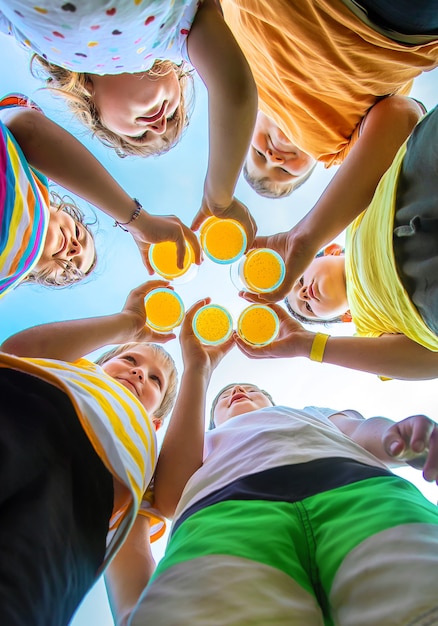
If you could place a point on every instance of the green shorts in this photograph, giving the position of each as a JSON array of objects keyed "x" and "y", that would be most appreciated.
[{"x": 364, "y": 554}]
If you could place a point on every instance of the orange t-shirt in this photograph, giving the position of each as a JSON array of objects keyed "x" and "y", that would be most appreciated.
[{"x": 319, "y": 68}]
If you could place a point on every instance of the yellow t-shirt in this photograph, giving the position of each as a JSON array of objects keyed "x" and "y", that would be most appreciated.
[
  {"x": 378, "y": 301},
  {"x": 117, "y": 426},
  {"x": 319, "y": 68}
]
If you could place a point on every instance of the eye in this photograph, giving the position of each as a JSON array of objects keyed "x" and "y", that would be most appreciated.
[
  {"x": 128, "y": 357},
  {"x": 260, "y": 154},
  {"x": 301, "y": 281},
  {"x": 308, "y": 307},
  {"x": 77, "y": 231},
  {"x": 156, "y": 379}
]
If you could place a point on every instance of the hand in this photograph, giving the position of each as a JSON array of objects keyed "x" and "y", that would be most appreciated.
[
  {"x": 195, "y": 353},
  {"x": 415, "y": 440},
  {"x": 135, "y": 309},
  {"x": 297, "y": 254},
  {"x": 148, "y": 229},
  {"x": 292, "y": 340},
  {"x": 236, "y": 211}
]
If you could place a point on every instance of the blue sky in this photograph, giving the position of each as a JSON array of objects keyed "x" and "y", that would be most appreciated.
[{"x": 173, "y": 184}]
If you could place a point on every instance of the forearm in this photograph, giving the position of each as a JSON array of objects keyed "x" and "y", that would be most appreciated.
[
  {"x": 394, "y": 356},
  {"x": 71, "y": 340},
  {"x": 129, "y": 572},
  {"x": 56, "y": 153},
  {"x": 182, "y": 450},
  {"x": 386, "y": 127},
  {"x": 232, "y": 101}
]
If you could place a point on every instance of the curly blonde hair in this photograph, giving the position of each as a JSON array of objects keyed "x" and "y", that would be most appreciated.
[
  {"x": 70, "y": 273},
  {"x": 74, "y": 87}
]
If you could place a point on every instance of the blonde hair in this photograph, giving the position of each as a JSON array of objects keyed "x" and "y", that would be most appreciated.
[
  {"x": 70, "y": 274},
  {"x": 74, "y": 87},
  {"x": 170, "y": 393},
  {"x": 268, "y": 189}
]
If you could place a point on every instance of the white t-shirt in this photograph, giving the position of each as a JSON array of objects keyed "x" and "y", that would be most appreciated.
[
  {"x": 101, "y": 36},
  {"x": 267, "y": 438}
]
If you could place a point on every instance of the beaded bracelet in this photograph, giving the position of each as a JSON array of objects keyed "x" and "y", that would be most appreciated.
[
  {"x": 134, "y": 216},
  {"x": 318, "y": 347}
]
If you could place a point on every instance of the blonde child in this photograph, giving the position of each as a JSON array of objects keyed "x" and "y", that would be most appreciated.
[
  {"x": 325, "y": 68},
  {"x": 286, "y": 516},
  {"x": 388, "y": 277},
  {"x": 42, "y": 238},
  {"x": 78, "y": 453},
  {"x": 113, "y": 65},
  {"x": 275, "y": 166}
]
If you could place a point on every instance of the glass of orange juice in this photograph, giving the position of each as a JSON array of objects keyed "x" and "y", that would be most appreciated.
[
  {"x": 164, "y": 309},
  {"x": 258, "y": 325},
  {"x": 162, "y": 257},
  {"x": 260, "y": 271},
  {"x": 223, "y": 240},
  {"x": 212, "y": 324}
]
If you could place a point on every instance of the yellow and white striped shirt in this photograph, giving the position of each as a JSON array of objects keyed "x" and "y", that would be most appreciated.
[{"x": 117, "y": 426}]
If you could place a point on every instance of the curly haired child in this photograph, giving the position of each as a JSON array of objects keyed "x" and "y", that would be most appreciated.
[
  {"x": 44, "y": 239},
  {"x": 119, "y": 73}
]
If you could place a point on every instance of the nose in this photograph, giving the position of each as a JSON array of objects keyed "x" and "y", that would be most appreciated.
[
  {"x": 237, "y": 389},
  {"x": 159, "y": 126},
  {"x": 302, "y": 292},
  {"x": 74, "y": 248},
  {"x": 274, "y": 156},
  {"x": 138, "y": 372}
]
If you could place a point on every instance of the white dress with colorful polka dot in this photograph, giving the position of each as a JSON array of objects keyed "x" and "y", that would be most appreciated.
[{"x": 101, "y": 36}]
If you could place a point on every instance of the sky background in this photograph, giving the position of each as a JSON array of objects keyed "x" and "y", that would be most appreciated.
[{"x": 173, "y": 183}]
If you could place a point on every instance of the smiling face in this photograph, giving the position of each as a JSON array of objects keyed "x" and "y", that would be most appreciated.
[
  {"x": 321, "y": 291},
  {"x": 144, "y": 373},
  {"x": 237, "y": 399},
  {"x": 67, "y": 242},
  {"x": 273, "y": 156},
  {"x": 141, "y": 108}
]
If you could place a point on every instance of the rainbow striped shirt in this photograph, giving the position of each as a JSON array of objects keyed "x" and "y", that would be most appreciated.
[
  {"x": 117, "y": 426},
  {"x": 24, "y": 211}
]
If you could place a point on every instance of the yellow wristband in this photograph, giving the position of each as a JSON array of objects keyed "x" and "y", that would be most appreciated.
[{"x": 318, "y": 347}]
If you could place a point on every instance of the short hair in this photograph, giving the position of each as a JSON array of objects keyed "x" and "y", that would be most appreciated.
[
  {"x": 310, "y": 320},
  {"x": 73, "y": 87},
  {"x": 70, "y": 274},
  {"x": 266, "y": 188},
  {"x": 212, "y": 425},
  {"x": 170, "y": 394}
]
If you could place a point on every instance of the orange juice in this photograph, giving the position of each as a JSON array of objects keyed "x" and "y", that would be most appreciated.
[
  {"x": 212, "y": 324},
  {"x": 262, "y": 270},
  {"x": 162, "y": 257},
  {"x": 258, "y": 325},
  {"x": 164, "y": 310},
  {"x": 223, "y": 240}
]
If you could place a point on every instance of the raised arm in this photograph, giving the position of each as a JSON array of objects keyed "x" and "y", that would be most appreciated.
[
  {"x": 394, "y": 356},
  {"x": 129, "y": 572},
  {"x": 183, "y": 446},
  {"x": 385, "y": 128},
  {"x": 412, "y": 441},
  {"x": 71, "y": 340},
  {"x": 232, "y": 110},
  {"x": 56, "y": 153}
]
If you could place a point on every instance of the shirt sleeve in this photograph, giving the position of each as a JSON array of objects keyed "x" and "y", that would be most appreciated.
[{"x": 156, "y": 519}]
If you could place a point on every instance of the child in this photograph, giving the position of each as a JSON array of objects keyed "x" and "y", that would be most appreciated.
[
  {"x": 332, "y": 76},
  {"x": 78, "y": 453},
  {"x": 275, "y": 166},
  {"x": 389, "y": 279},
  {"x": 288, "y": 516},
  {"x": 114, "y": 74},
  {"x": 44, "y": 239}
]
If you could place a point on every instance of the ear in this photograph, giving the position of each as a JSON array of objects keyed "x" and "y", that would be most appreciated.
[
  {"x": 88, "y": 86},
  {"x": 346, "y": 317},
  {"x": 157, "y": 422},
  {"x": 334, "y": 249}
]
